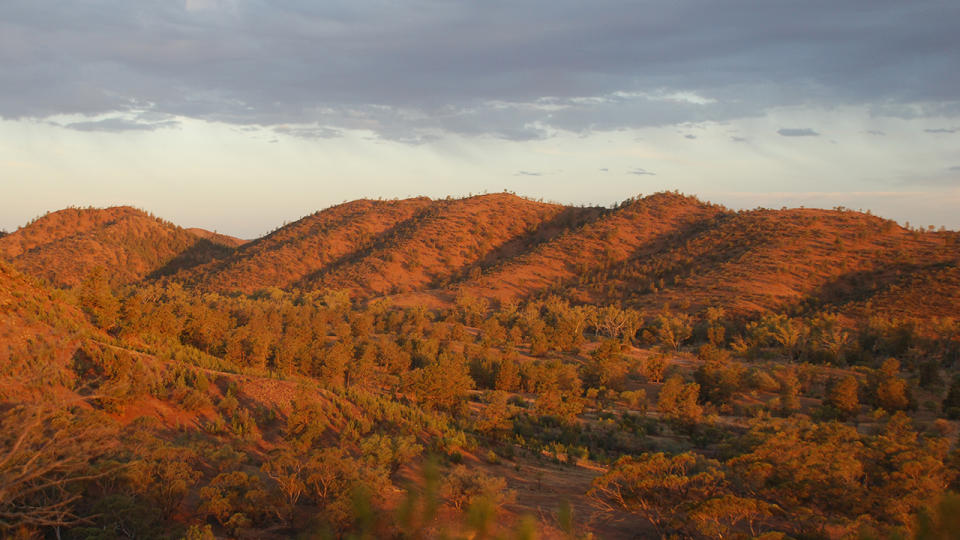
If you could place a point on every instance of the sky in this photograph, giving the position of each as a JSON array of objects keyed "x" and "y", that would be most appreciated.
[{"x": 240, "y": 116}]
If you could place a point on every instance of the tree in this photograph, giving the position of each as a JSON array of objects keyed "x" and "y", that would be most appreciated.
[
  {"x": 789, "y": 333},
  {"x": 616, "y": 323},
  {"x": 654, "y": 366},
  {"x": 464, "y": 486},
  {"x": 570, "y": 322},
  {"x": 715, "y": 517},
  {"x": 492, "y": 333},
  {"x": 659, "y": 487},
  {"x": 889, "y": 391},
  {"x": 829, "y": 335},
  {"x": 673, "y": 330},
  {"x": 235, "y": 499},
  {"x": 718, "y": 377},
  {"x": 951, "y": 404},
  {"x": 716, "y": 332},
  {"x": 389, "y": 452},
  {"x": 789, "y": 390},
  {"x": 679, "y": 401},
  {"x": 333, "y": 372},
  {"x": 471, "y": 309},
  {"x": 288, "y": 469},
  {"x": 393, "y": 358},
  {"x": 334, "y": 479},
  {"x": 443, "y": 383},
  {"x": 904, "y": 470},
  {"x": 328, "y": 473},
  {"x": 495, "y": 418},
  {"x": 46, "y": 454},
  {"x": 165, "y": 476},
  {"x": 606, "y": 367},
  {"x": 843, "y": 397},
  {"x": 508, "y": 374},
  {"x": 97, "y": 300},
  {"x": 797, "y": 463},
  {"x": 565, "y": 405}
]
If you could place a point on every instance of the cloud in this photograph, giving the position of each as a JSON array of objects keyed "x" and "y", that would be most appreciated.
[
  {"x": 734, "y": 138},
  {"x": 309, "y": 132},
  {"x": 604, "y": 169},
  {"x": 415, "y": 70},
  {"x": 942, "y": 130},
  {"x": 955, "y": 168},
  {"x": 642, "y": 172},
  {"x": 117, "y": 125},
  {"x": 528, "y": 173},
  {"x": 876, "y": 132},
  {"x": 689, "y": 136},
  {"x": 797, "y": 132}
]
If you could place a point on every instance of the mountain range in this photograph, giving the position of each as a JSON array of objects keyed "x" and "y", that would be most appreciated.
[{"x": 648, "y": 252}]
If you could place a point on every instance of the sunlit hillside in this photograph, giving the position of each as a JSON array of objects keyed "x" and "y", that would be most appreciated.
[
  {"x": 64, "y": 247},
  {"x": 485, "y": 367}
]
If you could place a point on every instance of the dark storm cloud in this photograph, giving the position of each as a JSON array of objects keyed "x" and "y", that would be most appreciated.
[
  {"x": 414, "y": 70},
  {"x": 797, "y": 132}
]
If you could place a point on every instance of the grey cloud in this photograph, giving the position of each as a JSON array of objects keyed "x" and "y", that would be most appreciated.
[
  {"x": 604, "y": 169},
  {"x": 876, "y": 132},
  {"x": 528, "y": 173},
  {"x": 309, "y": 132},
  {"x": 797, "y": 132},
  {"x": 689, "y": 136},
  {"x": 642, "y": 172},
  {"x": 414, "y": 70},
  {"x": 119, "y": 125},
  {"x": 738, "y": 139},
  {"x": 942, "y": 130},
  {"x": 955, "y": 168}
]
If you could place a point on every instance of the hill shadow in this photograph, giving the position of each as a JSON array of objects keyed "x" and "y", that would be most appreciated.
[{"x": 203, "y": 251}]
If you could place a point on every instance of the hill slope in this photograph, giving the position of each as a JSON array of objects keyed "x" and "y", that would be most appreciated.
[
  {"x": 64, "y": 247},
  {"x": 34, "y": 324},
  {"x": 637, "y": 227},
  {"x": 662, "y": 250},
  {"x": 445, "y": 242},
  {"x": 300, "y": 249},
  {"x": 750, "y": 262}
]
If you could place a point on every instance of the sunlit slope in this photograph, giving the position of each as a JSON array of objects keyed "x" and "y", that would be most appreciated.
[
  {"x": 35, "y": 324},
  {"x": 448, "y": 241},
  {"x": 753, "y": 261},
  {"x": 637, "y": 227},
  {"x": 64, "y": 247},
  {"x": 300, "y": 249}
]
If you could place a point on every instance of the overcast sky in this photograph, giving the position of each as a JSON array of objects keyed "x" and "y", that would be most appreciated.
[{"x": 240, "y": 115}]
